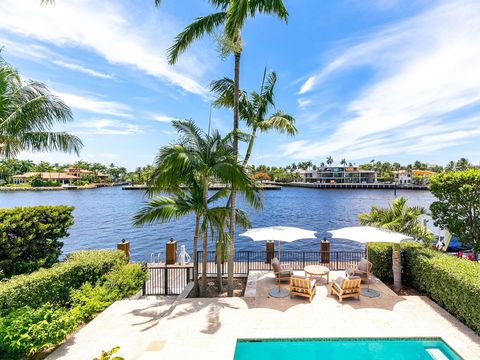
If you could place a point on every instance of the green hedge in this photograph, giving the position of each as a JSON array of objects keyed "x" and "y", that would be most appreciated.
[
  {"x": 451, "y": 282},
  {"x": 29, "y": 237},
  {"x": 55, "y": 284}
]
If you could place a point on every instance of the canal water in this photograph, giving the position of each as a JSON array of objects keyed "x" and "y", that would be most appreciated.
[{"x": 103, "y": 216}]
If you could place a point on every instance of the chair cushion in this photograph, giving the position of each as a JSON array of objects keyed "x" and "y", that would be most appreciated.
[
  {"x": 285, "y": 273},
  {"x": 363, "y": 265},
  {"x": 339, "y": 281},
  {"x": 276, "y": 265}
]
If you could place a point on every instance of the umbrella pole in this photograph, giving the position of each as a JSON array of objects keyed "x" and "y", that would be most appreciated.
[{"x": 280, "y": 265}]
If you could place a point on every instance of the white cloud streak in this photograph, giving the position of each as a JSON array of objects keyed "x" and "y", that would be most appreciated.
[
  {"x": 106, "y": 127},
  {"x": 94, "y": 105},
  {"x": 82, "y": 69},
  {"x": 106, "y": 28},
  {"x": 426, "y": 72}
]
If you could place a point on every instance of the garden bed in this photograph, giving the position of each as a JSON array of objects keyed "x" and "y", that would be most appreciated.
[{"x": 212, "y": 289}]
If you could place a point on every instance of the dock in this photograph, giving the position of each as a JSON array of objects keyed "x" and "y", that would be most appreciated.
[
  {"x": 211, "y": 187},
  {"x": 355, "y": 186}
]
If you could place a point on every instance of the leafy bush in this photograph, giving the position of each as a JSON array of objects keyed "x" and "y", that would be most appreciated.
[
  {"x": 29, "y": 237},
  {"x": 451, "y": 282},
  {"x": 56, "y": 283},
  {"x": 119, "y": 283},
  {"x": 26, "y": 331},
  {"x": 380, "y": 255}
]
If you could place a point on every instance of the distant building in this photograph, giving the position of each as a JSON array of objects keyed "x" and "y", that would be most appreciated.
[
  {"x": 405, "y": 177},
  {"x": 62, "y": 178},
  {"x": 339, "y": 175},
  {"x": 70, "y": 175}
]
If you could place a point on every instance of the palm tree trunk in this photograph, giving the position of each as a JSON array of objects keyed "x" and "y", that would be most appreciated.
[
  {"x": 195, "y": 255},
  {"x": 219, "y": 259},
  {"x": 205, "y": 238},
  {"x": 233, "y": 203},
  {"x": 397, "y": 269},
  {"x": 250, "y": 147}
]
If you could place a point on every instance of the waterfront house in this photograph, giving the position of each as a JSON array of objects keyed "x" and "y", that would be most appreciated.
[
  {"x": 79, "y": 172},
  {"x": 406, "y": 177},
  {"x": 62, "y": 178},
  {"x": 339, "y": 175}
]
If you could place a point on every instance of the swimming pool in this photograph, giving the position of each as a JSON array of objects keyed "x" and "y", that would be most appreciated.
[{"x": 343, "y": 349}]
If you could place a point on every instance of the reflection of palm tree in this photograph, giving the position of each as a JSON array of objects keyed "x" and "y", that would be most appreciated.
[
  {"x": 193, "y": 162},
  {"x": 232, "y": 15},
  {"x": 399, "y": 218},
  {"x": 28, "y": 112}
]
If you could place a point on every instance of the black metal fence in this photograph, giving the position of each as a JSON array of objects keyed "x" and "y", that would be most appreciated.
[
  {"x": 172, "y": 279},
  {"x": 246, "y": 261},
  {"x": 167, "y": 279}
]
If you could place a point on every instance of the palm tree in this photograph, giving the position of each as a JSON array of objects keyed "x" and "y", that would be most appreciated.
[
  {"x": 329, "y": 160},
  {"x": 254, "y": 108},
  {"x": 399, "y": 218},
  {"x": 200, "y": 157},
  {"x": 232, "y": 14},
  {"x": 28, "y": 112}
]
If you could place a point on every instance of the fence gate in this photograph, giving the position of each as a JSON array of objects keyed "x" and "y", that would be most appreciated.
[{"x": 167, "y": 279}]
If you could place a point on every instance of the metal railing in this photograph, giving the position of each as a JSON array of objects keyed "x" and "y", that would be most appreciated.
[
  {"x": 167, "y": 279},
  {"x": 246, "y": 261}
]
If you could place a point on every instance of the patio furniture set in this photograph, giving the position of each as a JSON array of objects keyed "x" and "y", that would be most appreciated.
[{"x": 343, "y": 287}]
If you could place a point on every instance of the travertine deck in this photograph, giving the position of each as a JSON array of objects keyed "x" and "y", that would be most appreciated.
[{"x": 208, "y": 328}]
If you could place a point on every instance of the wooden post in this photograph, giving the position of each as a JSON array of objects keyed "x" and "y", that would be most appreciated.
[
  {"x": 125, "y": 247},
  {"x": 325, "y": 251},
  {"x": 171, "y": 252},
  {"x": 270, "y": 251}
]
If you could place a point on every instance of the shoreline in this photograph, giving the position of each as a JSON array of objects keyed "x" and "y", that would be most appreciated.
[
  {"x": 354, "y": 186},
  {"x": 53, "y": 188}
]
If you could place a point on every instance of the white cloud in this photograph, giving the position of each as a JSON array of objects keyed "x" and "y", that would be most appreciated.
[
  {"x": 162, "y": 118},
  {"x": 426, "y": 71},
  {"x": 82, "y": 69},
  {"x": 106, "y": 127},
  {"x": 107, "y": 29},
  {"x": 303, "y": 103},
  {"x": 94, "y": 105}
]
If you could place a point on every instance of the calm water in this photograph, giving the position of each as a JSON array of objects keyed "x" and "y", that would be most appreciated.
[
  {"x": 349, "y": 349},
  {"x": 103, "y": 216}
]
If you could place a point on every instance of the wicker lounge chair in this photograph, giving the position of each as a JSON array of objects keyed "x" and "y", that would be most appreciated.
[
  {"x": 363, "y": 270},
  {"x": 281, "y": 271},
  {"x": 302, "y": 286},
  {"x": 346, "y": 288}
]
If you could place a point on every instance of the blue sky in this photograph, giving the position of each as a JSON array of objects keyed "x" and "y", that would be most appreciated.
[{"x": 373, "y": 79}]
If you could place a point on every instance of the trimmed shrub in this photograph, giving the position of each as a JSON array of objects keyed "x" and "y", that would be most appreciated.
[
  {"x": 119, "y": 283},
  {"x": 451, "y": 282},
  {"x": 29, "y": 237},
  {"x": 56, "y": 283},
  {"x": 380, "y": 255},
  {"x": 26, "y": 331}
]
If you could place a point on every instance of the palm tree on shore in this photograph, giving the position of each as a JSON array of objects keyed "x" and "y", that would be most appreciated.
[
  {"x": 28, "y": 112},
  {"x": 194, "y": 161},
  {"x": 400, "y": 218},
  {"x": 329, "y": 160},
  {"x": 232, "y": 15}
]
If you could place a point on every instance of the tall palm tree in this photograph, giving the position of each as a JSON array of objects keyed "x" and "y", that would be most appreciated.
[
  {"x": 232, "y": 14},
  {"x": 28, "y": 112},
  {"x": 255, "y": 108},
  {"x": 400, "y": 218},
  {"x": 329, "y": 160},
  {"x": 200, "y": 157}
]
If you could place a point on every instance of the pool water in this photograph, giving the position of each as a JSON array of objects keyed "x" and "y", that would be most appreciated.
[{"x": 343, "y": 349}]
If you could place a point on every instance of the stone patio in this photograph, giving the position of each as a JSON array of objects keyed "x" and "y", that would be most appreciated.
[{"x": 209, "y": 328}]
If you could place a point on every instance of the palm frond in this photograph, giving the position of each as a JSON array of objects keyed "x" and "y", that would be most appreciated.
[
  {"x": 201, "y": 26},
  {"x": 280, "y": 122},
  {"x": 236, "y": 16},
  {"x": 275, "y": 7}
]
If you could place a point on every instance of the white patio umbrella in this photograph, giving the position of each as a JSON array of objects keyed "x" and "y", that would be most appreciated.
[
  {"x": 369, "y": 234},
  {"x": 279, "y": 233}
]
